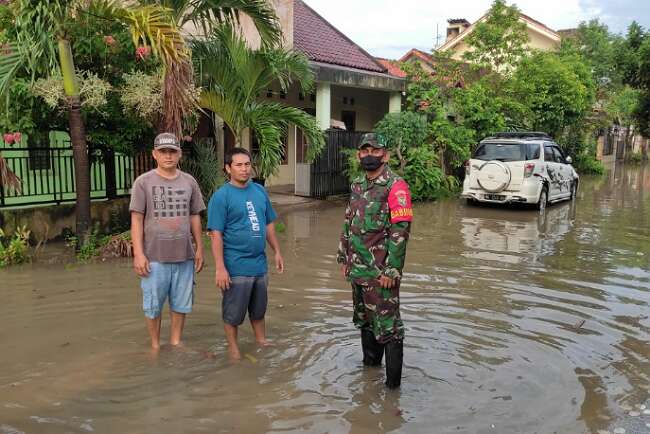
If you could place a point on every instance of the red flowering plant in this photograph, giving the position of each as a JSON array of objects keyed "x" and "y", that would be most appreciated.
[
  {"x": 110, "y": 40},
  {"x": 142, "y": 52}
]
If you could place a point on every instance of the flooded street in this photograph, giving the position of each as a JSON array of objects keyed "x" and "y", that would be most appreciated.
[{"x": 515, "y": 323}]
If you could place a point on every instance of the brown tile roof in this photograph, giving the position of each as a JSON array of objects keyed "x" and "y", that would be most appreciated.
[
  {"x": 322, "y": 42},
  {"x": 414, "y": 52},
  {"x": 392, "y": 66}
]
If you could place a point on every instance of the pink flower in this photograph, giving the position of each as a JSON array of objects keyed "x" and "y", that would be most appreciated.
[
  {"x": 17, "y": 137},
  {"x": 142, "y": 52},
  {"x": 187, "y": 138},
  {"x": 9, "y": 138},
  {"x": 109, "y": 40}
]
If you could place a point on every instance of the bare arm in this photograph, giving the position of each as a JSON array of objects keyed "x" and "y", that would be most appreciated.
[
  {"x": 140, "y": 261},
  {"x": 195, "y": 227},
  {"x": 222, "y": 277},
  {"x": 272, "y": 239}
]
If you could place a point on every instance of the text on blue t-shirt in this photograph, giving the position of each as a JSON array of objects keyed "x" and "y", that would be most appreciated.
[{"x": 241, "y": 215}]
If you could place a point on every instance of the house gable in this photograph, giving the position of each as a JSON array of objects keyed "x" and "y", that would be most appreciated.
[
  {"x": 321, "y": 42},
  {"x": 532, "y": 25}
]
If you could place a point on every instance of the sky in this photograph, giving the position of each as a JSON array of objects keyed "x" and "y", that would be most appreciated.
[{"x": 389, "y": 28}]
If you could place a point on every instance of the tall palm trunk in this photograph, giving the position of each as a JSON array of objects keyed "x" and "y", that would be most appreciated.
[{"x": 78, "y": 139}]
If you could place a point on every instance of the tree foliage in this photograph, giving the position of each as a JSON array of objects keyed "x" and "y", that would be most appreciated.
[
  {"x": 555, "y": 91},
  {"x": 499, "y": 41},
  {"x": 413, "y": 155}
]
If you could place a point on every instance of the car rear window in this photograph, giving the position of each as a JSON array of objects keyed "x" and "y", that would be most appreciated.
[{"x": 507, "y": 151}]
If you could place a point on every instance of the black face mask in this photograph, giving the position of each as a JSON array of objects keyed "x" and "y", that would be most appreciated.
[{"x": 370, "y": 163}]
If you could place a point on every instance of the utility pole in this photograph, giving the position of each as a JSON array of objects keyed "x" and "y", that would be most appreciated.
[{"x": 438, "y": 37}]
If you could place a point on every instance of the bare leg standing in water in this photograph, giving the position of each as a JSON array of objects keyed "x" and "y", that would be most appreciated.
[
  {"x": 240, "y": 221},
  {"x": 166, "y": 204}
]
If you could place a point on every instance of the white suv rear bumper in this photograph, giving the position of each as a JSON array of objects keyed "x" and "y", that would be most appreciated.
[{"x": 528, "y": 192}]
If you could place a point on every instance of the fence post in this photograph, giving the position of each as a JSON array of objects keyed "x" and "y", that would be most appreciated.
[{"x": 109, "y": 165}]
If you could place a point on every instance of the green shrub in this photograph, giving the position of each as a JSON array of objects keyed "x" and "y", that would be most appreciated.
[
  {"x": 14, "y": 250},
  {"x": 204, "y": 167},
  {"x": 586, "y": 164},
  {"x": 91, "y": 247},
  {"x": 422, "y": 172}
]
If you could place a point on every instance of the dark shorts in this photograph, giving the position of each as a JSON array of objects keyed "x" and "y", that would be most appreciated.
[{"x": 246, "y": 293}]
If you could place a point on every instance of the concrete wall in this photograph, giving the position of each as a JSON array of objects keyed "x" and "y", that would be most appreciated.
[
  {"x": 49, "y": 222},
  {"x": 370, "y": 106},
  {"x": 284, "y": 10},
  {"x": 605, "y": 159}
]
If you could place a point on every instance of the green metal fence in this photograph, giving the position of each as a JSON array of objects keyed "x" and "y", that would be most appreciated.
[{"x": 47, "y": 175}]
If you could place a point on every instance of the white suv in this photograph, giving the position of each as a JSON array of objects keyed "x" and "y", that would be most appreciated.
[{"x": 519, "y": 167}]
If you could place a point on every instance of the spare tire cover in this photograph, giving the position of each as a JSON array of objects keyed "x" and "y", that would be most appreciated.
[{"x": 493, "y": 176}]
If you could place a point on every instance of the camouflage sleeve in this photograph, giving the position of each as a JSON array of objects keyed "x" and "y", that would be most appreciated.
[
  {"x": 401, "y": 216},
  {"x": 399, "y": 236},
  {"x": 344, "y": 242}
]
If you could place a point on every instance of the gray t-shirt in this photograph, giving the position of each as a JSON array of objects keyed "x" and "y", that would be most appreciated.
[{"x": 167, "y": 205}]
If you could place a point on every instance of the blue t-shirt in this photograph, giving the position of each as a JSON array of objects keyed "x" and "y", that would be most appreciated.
[{"x": 241, "y": 215}]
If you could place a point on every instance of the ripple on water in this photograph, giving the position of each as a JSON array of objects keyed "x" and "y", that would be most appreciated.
[{"x": 515, "y": 322}]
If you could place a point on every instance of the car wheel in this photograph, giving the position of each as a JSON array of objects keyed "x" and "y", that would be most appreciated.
[
  {"x": 471, "y": 202},
  {"x": 574, "y": 190},
  {"x": 543, "y": 200}
]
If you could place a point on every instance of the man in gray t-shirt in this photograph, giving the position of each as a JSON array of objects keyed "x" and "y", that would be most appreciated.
[{"x": 165, "y": 218}]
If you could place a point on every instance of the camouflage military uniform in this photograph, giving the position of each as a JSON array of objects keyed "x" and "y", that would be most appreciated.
[{"x": 373, "y": 243}]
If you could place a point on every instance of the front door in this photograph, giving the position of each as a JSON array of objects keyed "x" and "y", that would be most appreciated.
[{"x": 349, "y": 118}]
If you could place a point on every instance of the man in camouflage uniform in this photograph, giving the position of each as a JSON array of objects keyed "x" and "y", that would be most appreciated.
[{"x": 372, "y": 252}]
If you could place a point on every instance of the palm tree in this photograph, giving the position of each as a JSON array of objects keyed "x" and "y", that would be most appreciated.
[
  {"x": 42, "y": 47},
  {"x": 234, "y": 75},
  {"x": 204, "y": 15}
]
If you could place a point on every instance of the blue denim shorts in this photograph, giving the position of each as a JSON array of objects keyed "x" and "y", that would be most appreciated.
[
  {"x": 173, "y": 280},
  {"x": 246, "y": 293}
]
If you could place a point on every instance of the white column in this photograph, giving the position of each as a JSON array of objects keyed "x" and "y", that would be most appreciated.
[
  {"x": 395, "y": 102},
  {"x": 323, "y": 105}
]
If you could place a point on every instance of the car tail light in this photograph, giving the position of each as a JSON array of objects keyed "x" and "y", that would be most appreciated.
[
  {"x": 528, "y": 169},
  {"x": 467, "y": 168}
]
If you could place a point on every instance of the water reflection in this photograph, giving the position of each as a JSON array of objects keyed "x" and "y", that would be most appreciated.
[
  {"x": 516, "y": 323},
  {"x": 515, "y": 236}
]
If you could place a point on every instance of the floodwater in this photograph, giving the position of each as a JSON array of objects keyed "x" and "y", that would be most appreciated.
[{"x": 516, "y": 323}]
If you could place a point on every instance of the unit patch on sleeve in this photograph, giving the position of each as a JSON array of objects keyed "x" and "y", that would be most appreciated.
[{"x": 399, "y": 202}]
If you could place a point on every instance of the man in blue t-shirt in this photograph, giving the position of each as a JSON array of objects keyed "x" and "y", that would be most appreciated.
[{"x": 240, "y": 221}]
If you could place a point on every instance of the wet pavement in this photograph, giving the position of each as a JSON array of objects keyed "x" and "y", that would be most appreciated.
[{"x": 516, "y": 323}]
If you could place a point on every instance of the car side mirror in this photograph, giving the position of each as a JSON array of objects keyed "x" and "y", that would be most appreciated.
[{"x": 569, "y": 160}]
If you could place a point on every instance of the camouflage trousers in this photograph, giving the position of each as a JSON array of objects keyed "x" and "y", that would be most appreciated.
[{"x": 377, "y": 309}]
